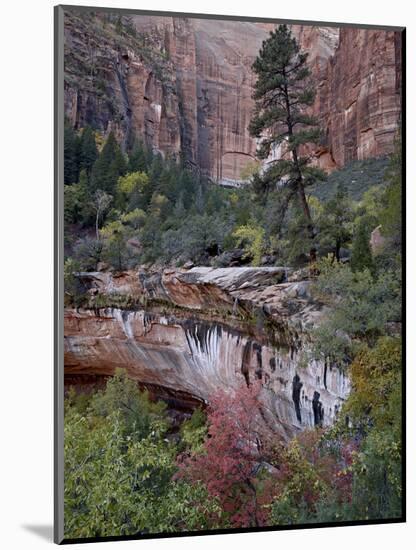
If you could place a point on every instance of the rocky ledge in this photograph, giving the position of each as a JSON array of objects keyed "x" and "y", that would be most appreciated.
[{"x": 186, "y": 333}]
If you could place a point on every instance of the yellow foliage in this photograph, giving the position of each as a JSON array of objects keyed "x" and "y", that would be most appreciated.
[
  {"x": 251, "y": 237},
  {"x": 132, "y": 181},
  {"x": 375, "y": 375}
]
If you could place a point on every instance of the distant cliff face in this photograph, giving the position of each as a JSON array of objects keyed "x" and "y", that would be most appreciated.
[
  {"x": 359, "y": 96},
  {"x": 186, "y": 334},
  {"x": 184, "y": 85}
]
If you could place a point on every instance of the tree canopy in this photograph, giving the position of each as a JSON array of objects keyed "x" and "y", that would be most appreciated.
[{"x": 283, "y": 93}]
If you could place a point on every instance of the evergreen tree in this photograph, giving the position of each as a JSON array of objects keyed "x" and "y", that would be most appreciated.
[
  {"x": 391, "y": 215},
  {"x": 117, "y": 168},
  {"x": 88, "y": 150},
  {"x": 282, "y": 94},
  {"x": 71, "y": 154},
  {"x": 77, "y": 208},
  {"x": 187, "y": 187},
  {"x": 137, "y": 159},
  {"x": 119, "y": 25},
  {"x": 156, "y": 168},
  {"x": 335, "y": 222},
  {"x": 361, "y": 257},
  {"x": 109, "y": 166}
]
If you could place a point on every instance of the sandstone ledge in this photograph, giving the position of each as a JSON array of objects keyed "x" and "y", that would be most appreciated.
[
  {"x": 187, "y": 334},
  {"x": 235, "y": 294}
]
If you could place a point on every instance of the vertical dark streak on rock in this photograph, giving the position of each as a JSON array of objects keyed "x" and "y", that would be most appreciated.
[
  {"x": 126, "y": 105},
  {"x": 245, "y": 363},
  {"x": 318, "y": 411},
  {"x": 296, "y": 387},
  {"x": 259, "y": 370}
]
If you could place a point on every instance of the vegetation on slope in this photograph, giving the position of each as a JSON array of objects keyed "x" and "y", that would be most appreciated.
[
  {"x": 128, "y": 470},
  {"x": 130, "y": 209}
]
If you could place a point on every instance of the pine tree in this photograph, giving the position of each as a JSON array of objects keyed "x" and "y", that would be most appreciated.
[
  {"x": 187, "y": 187},
  {"x": 88, "y": 150},
  {"x": 154, "y": 172},
  {"x": 71, "y": 154},
  {"x": 117, "y": 168},
  {"x": 137, "y": 159},
  {"x": 109, "y": 166},
  {"x": 283, "y": 93},
  {"x": 361, "y": 257},
  {"x": 335, "y": 222}
]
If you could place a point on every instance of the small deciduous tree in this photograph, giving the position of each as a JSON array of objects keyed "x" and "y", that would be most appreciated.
[
  {"x": 119, "y": 467},
  {"x": 229, "y": 458},
  {"x": 312, "y": 483},
  {"x": 115, "y": 235},
  {"x": 135, "y": 218},
  {"x": 100, "y": 203},
  {"x": 87, "y": 252},
  {"x": 131, "y": 190},
  {"x": 374, "y": 409},
  {"x": 251, "y": 237},
  {"x": 361, "y": 308}
]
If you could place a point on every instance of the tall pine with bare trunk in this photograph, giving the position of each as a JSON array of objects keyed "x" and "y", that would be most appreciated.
[{"x": 283, "y": 93}]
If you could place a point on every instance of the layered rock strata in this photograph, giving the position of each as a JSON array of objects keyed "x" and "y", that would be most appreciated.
[
  {"x": 359, "y": 97},
  {"x": 187, "y": 334},
  {"x": 184, "y": 85}
]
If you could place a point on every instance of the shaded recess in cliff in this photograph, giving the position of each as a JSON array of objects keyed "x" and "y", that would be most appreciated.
[{"x": 181, "y": 336}]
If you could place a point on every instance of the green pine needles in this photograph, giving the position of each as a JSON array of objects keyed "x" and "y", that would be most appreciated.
[{"x": 283, "y": 93}]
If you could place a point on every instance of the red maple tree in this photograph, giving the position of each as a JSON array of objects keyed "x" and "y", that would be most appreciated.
[{"x": 231, "y": 460}]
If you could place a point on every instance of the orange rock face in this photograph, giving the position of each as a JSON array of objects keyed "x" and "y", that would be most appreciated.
[
  {"x": 202, "y": 330},
  {"x": 359, "y": 96},
  {"x": 184, "y": 86}
]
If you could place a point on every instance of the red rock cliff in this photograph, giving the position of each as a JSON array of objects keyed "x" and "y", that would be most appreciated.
[
  {"x": 185, "y": 85},
  {"x": 359, "y": 96}
]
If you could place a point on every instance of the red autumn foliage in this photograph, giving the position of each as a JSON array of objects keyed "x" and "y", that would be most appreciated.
[
  {"x": 246, "y": 466},
  {"x": 343, "y": 475},
  {"x": 230, "y": 460}
]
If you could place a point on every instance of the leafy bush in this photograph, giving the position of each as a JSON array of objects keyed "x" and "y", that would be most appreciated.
[
  {"x": 362, "y": 309},
  {"x": 251, "y": 238},
  {"x": 119, "y": 467}
]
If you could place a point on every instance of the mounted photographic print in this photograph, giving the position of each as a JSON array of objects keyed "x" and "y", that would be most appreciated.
[{"x": 229, "y": 250}]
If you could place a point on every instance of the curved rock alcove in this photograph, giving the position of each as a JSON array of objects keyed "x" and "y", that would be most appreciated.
[{"x": 208, "y": 329}]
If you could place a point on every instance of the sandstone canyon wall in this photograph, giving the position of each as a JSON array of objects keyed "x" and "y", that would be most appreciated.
[
  {"x": 185, "y": 334},
  {"x": 359, "y": 96},
  {"x": 184, "y": 85}
]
